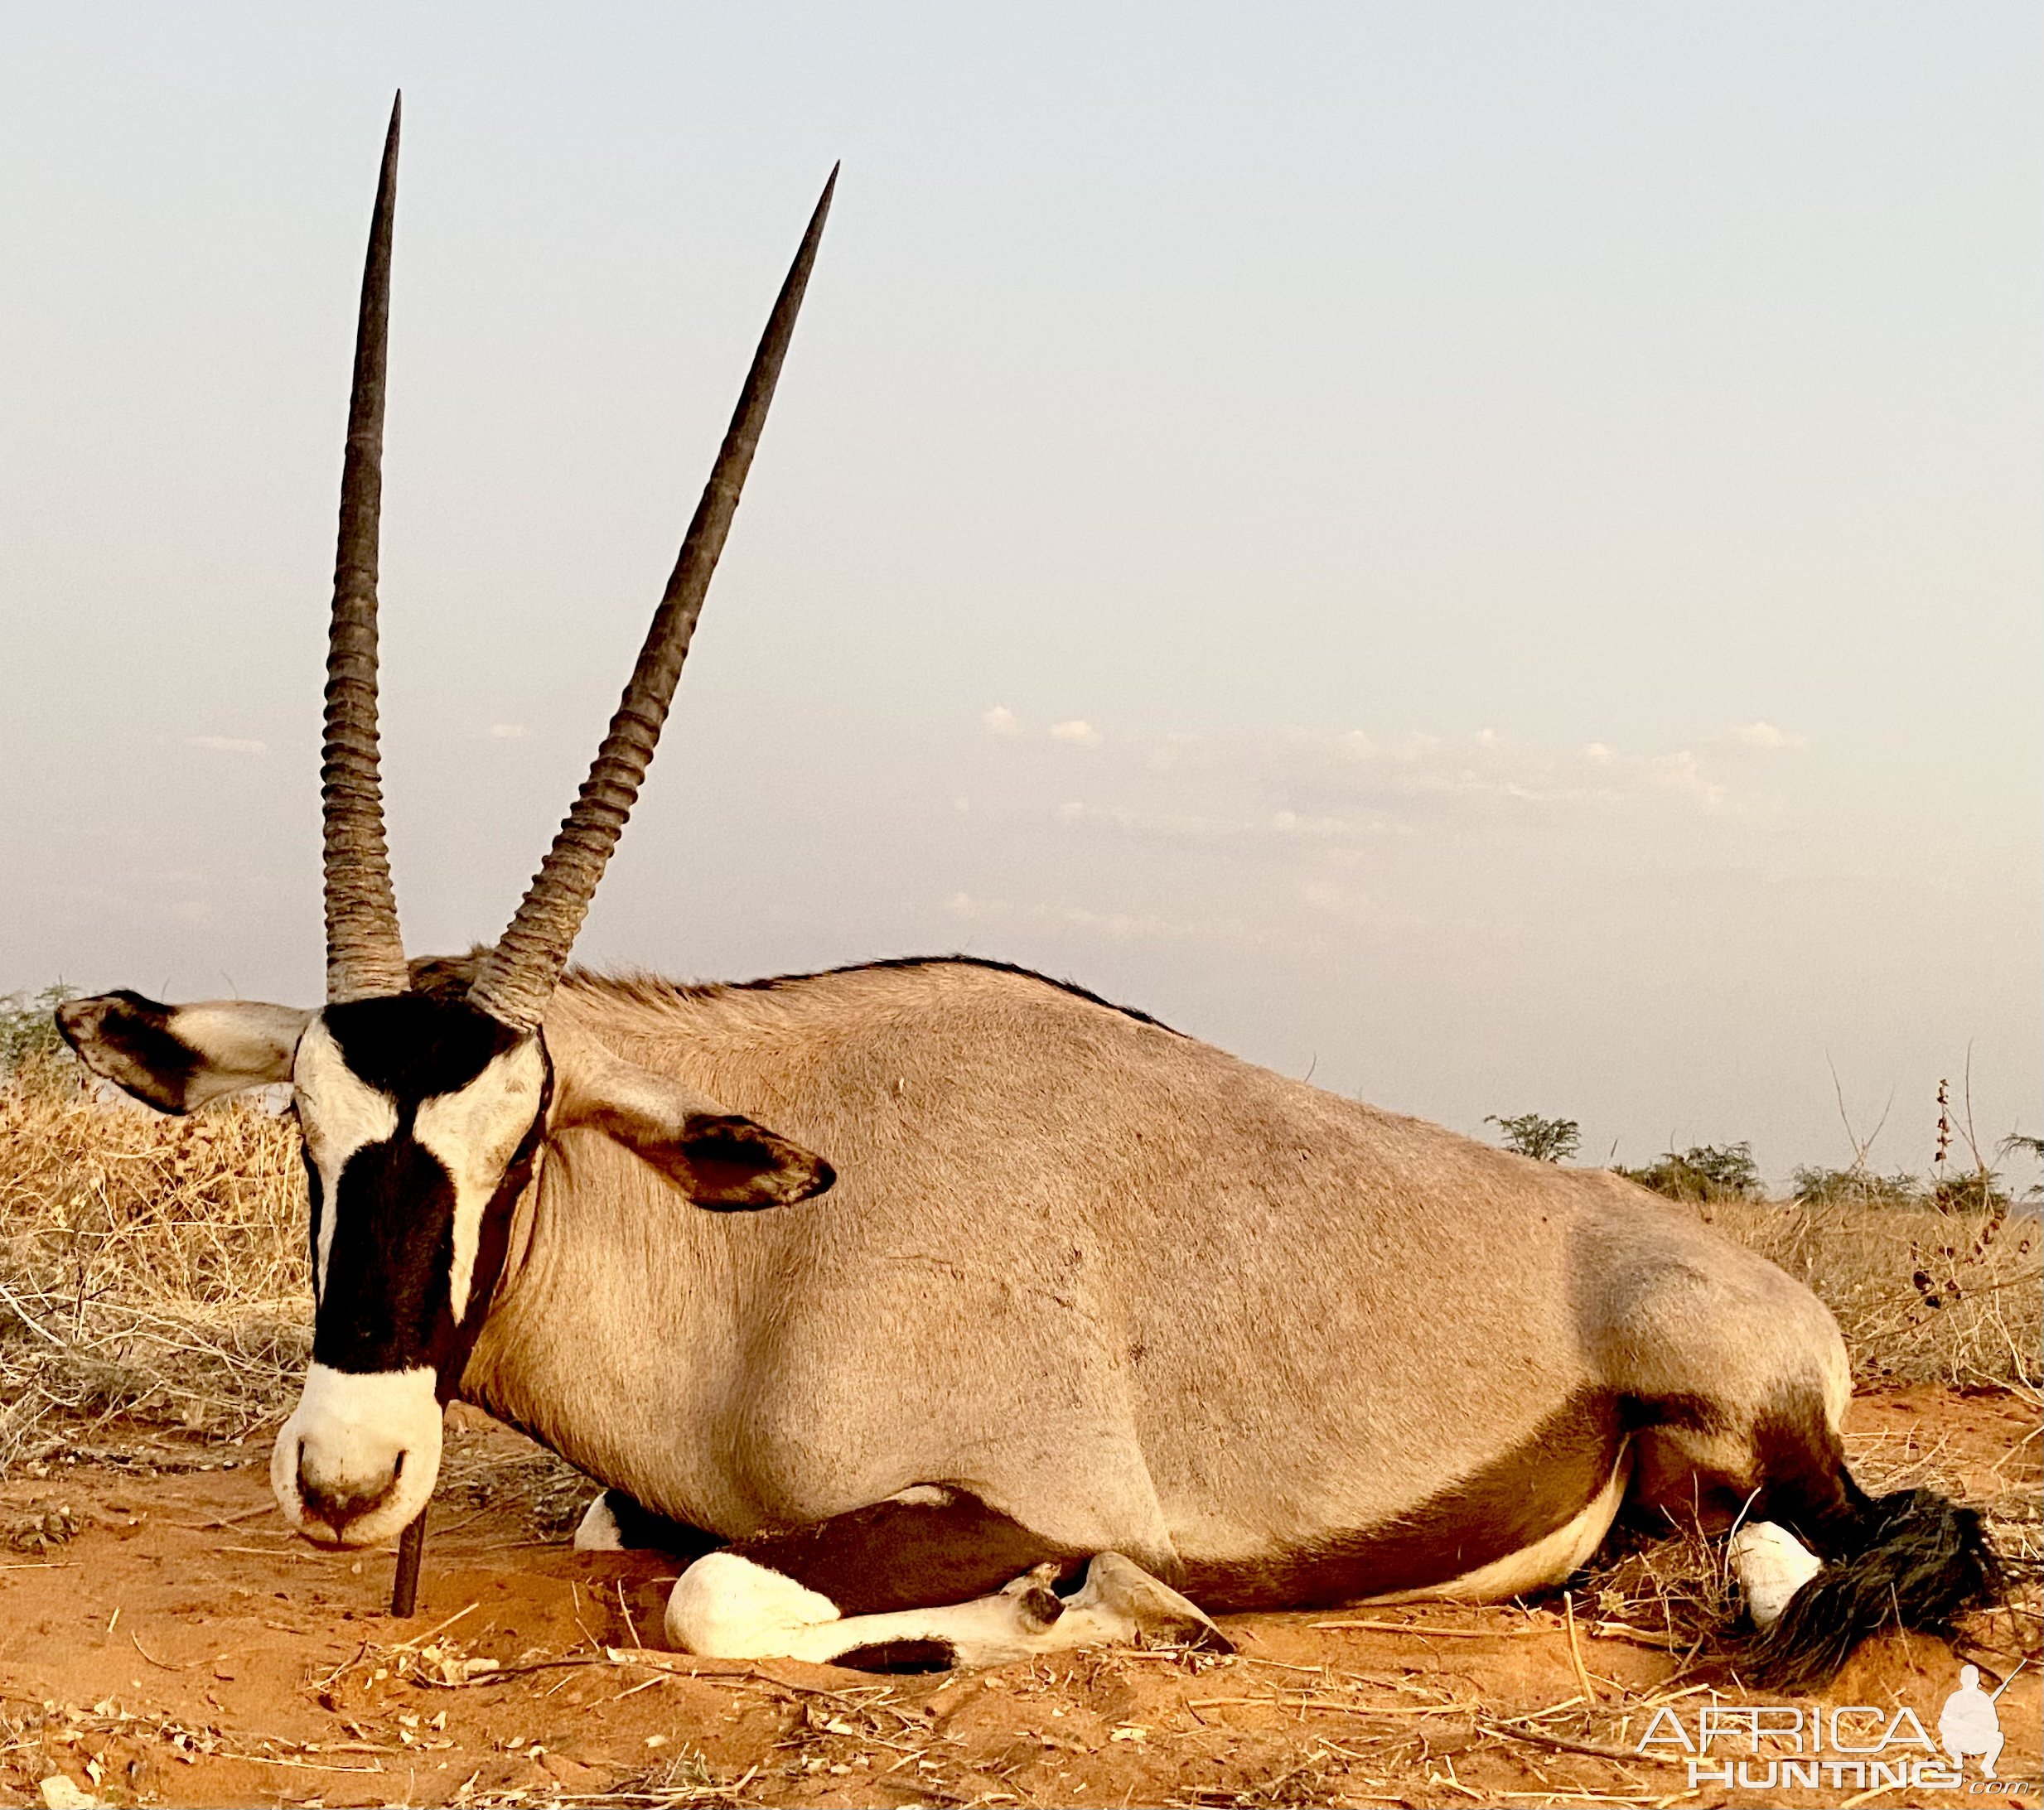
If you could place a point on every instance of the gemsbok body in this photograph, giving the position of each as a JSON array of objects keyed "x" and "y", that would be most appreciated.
[{"x": 941, "y": 1313}]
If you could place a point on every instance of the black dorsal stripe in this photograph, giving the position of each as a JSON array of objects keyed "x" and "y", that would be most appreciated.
[{"x": 767, "y": 983}]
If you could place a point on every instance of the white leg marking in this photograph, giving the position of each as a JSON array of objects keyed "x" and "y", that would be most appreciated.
[
  {"x": 1770, "y": 1564},
  {"x": 598, "y": 1531},
  {"x": 725, "y": 1607},
  {"x": 729, "y": 1608}
]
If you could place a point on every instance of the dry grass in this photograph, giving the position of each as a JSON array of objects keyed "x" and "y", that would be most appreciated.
[
  {"x": 1922, "y": 1295},
  {"x": 153, "y": 1271}
]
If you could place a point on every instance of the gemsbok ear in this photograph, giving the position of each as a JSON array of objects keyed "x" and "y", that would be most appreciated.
[
  {"x": 177, "y": 1058},
  {"x": 721, "y": 1160}
]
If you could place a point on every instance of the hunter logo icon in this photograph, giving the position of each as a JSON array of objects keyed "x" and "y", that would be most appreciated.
[{"x": 1970, "y": 1727}]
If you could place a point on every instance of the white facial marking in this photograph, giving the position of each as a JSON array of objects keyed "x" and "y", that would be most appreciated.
[
  {"x": 374, "y": 1437},
  {"x": 338, "y": 1114},
  {"x": 475, "y": 1132},
  {"x": 1770, "y": 1564}
]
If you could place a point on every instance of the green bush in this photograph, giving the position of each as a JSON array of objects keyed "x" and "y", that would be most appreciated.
[
  {"x": 1814, "y": 1186},
  {"x": 29, "y": 1038},
  {"x": 1702, "y": 1172},
  {"x": 1973, "y": 1191},
  {"x": 1545, "y": 1140}
]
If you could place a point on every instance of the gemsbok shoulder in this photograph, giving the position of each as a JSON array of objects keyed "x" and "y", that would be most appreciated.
[{"x": 941, "y": 1313}]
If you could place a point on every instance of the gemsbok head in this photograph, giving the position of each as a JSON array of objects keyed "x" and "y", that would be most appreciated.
[{"x": 422, "y": 1113}]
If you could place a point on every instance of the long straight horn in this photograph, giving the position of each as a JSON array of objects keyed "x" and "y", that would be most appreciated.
[
  {"x": 517, "y": 977},
  {"x": 364, "y": 953}
]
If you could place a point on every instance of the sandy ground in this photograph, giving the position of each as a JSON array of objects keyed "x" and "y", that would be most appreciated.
[{"x": 162, "y": 1640}]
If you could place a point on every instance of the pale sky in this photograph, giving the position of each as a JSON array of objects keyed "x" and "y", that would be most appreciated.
[{"x": 1487, "y": 552}]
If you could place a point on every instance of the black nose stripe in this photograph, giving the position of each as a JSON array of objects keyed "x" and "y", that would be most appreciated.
[{"x": 393, "y": 1251}]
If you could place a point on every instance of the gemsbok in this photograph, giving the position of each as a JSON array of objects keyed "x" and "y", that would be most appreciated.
[{"x": 941, "y": 1313}]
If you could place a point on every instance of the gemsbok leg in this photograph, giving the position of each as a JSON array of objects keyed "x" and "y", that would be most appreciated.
[{"x": 930, "y": 1578}]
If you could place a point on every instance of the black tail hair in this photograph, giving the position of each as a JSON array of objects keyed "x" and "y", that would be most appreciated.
[{"x": 1914, "y": 1558}]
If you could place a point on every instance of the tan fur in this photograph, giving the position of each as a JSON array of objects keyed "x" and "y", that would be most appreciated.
[{"x": 1133, "y": 1292}]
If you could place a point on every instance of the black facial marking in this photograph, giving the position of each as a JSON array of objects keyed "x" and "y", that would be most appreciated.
[
  {"x": 492, "y": 1242},
  {"x": 127, "y": 1038},
  {"x": 316, "y": 1201},
  {"x": 412, "y": 1047},
  {"x": 384, "y": 1305}
]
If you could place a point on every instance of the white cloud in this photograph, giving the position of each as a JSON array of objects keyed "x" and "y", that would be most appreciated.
[
  {"x": 1765, "y": 735},
  {"x": 1075, "y": 730},
  {"x": 1352, "y": 779},
  {"x": 1683, "y": 772},
  {"x": 509, "y": 731},
  {"x": 228, "y": 744},
  {"x": 1001, "y": 720}
]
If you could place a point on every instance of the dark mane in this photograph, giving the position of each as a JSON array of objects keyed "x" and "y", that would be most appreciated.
[
  {"x": 767, "y": 983},
  {"x": 449, "y": 976}
]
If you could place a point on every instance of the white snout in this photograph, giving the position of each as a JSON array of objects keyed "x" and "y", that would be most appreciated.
[{"x": 360, "y": 1454}]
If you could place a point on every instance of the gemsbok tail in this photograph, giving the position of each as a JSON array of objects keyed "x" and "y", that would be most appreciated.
[{"x": 1914, "y": 1558}]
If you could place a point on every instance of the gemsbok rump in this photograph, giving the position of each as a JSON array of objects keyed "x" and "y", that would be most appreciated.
[{"x": 942, "y": 1313}]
